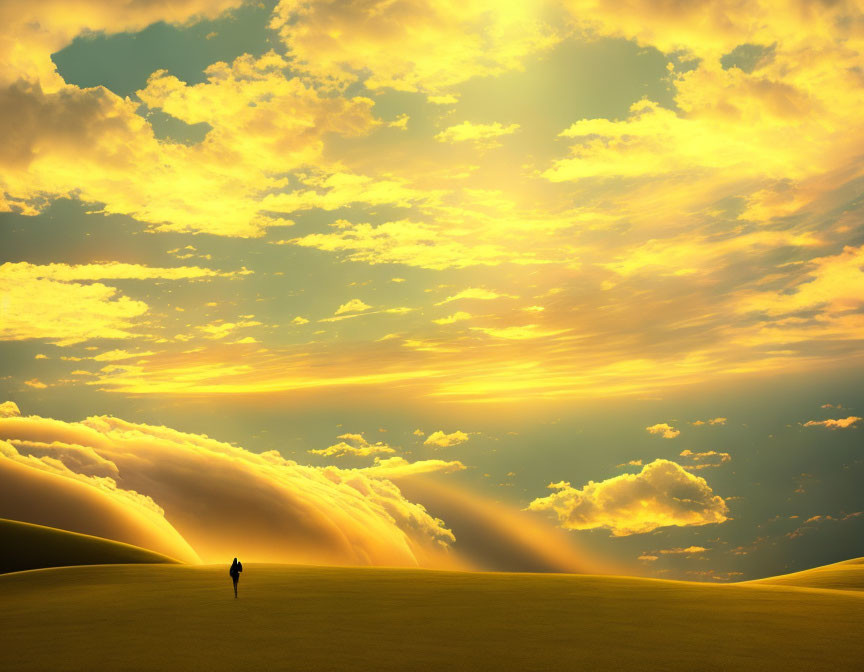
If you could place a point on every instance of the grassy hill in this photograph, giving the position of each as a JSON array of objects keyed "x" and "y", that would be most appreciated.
[
  {"x": 27, "y": 546},
  {"x": 181, "y": 617},
  {"x": 848, "y": 575}
]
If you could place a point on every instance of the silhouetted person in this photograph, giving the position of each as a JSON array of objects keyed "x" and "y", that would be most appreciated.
[{"x": 236, "y": 568}]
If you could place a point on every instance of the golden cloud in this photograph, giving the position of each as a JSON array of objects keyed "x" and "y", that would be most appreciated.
[
  {"x": 663, "y": 429},
  {"x": 337, "y": 190},
  {"x": 86, "y": 140},
  {"x": 839, "y": 423},
  {"x": 711, "y": 421},
  {"x": 358, "y": 447},
  {"x": 425, "y": 45},
  {"x": 706, "y": 459},
  {"x": 690, "y": 550},
  {"x": 9, "y": 409},
  {"x": 662, "y": 494},
  {"x": 442, "y": 440},
  {"x": 833, "y": 284},
  {"x": 29, "y": 34},
  {"x": 215, "y": 496},
  {"x": 406, "y": 242},
  {"x": 399, "y": 467},
  {"x": 49, "y": 302},
  {"x": 484, "y": 135},
  {"x": 458, "y": 316},
  {"x": 353, "y": 306},
  {"x": 475, "y": 293}
]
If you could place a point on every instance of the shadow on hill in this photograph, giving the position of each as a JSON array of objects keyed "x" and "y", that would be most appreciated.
[
  {"x": 847, "y": 575},
  {"x": 27, "y": 546}
]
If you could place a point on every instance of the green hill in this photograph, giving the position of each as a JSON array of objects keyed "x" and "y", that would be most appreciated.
[
  {"x": 848, "y": 575},
  {"x": 27, "y": 546},
  {"x": 182, "y": 617}
]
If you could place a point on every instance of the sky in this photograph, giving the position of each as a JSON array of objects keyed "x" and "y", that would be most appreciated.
[{"x": 573, "y": 285}]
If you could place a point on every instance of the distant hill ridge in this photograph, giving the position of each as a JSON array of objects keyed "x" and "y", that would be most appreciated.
[
  {"x": 27, "y": 546},
  {"x": 846, "y": 575}
]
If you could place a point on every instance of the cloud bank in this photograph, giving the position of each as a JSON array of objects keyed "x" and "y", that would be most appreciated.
[{"x": 187, "y": 491}]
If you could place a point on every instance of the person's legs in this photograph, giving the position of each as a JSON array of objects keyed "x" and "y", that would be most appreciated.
[{"x": 235, "y": 589}]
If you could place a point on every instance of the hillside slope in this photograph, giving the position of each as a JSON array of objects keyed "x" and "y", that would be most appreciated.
[
  {"x": 848, "y": 575},
  {"x": 27, "y": 546},
  {"x": 181, "y": 617}
]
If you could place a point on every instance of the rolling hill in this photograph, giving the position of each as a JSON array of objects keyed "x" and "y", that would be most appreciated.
[
  {"x": 182, "y": 617},
  {"x": 847, "y": 575},
  {"x": 27, "y": 546}
]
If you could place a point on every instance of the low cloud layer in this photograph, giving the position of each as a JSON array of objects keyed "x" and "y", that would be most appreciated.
[
  {"x": 201, "y": 500},
  {"x": 193, "y": 492},
  {"x": 663, "y": 494}
]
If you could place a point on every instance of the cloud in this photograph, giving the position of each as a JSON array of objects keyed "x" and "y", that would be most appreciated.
[
  {"x": 690, "y": 550},
  {"x": 662, "y": 494},
  {"x": 218, "y": 330},
  {"x": 814, "y": 523},
  {"x": 446, "y": 99},
  {"x": 51, "y": 302},
  {"x": 358, "y": 447},
  {"x": 408, "y": 242},
  {"x": 424, "y": 45},
  {"x": 705, "y": 460},
  {"x": 442, "y": 440},
  {"x": 833, "y": 284},
  {"x": 216, "y": 185},
  {"x": 475, "y": 293},
  {"x": 43, "y": 491},
  {"x": 112, "y": 270},
  {"x": 215, "y": 496},
  {"x": 648, "y": 558},
  {"x": 353, "y": 306},
  {"x": 331, "y": 191},
  {"x": 497, "y": 536},
  {"x": 9, "y": 409},
  {"x": 711, "y": 421},
  {"x": 519, "y": 332},
  {"x": 484, "y": 135},
  {"x": 29, "y": 34},
  {"x": 399, "y": 467},
  {"x": 839, "y": 423},
  {"x": 663, "y": 429},
  {"x": 66, "y": 313},
  {"x": 119, "y": 355},
  {"x": 455, "y": 317}
]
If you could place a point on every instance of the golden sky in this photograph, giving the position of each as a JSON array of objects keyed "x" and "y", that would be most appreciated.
[{"x": 478, "y": 208}]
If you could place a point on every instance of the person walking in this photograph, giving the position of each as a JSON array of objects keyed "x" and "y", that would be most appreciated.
[{"x": 236, "y": 568}]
